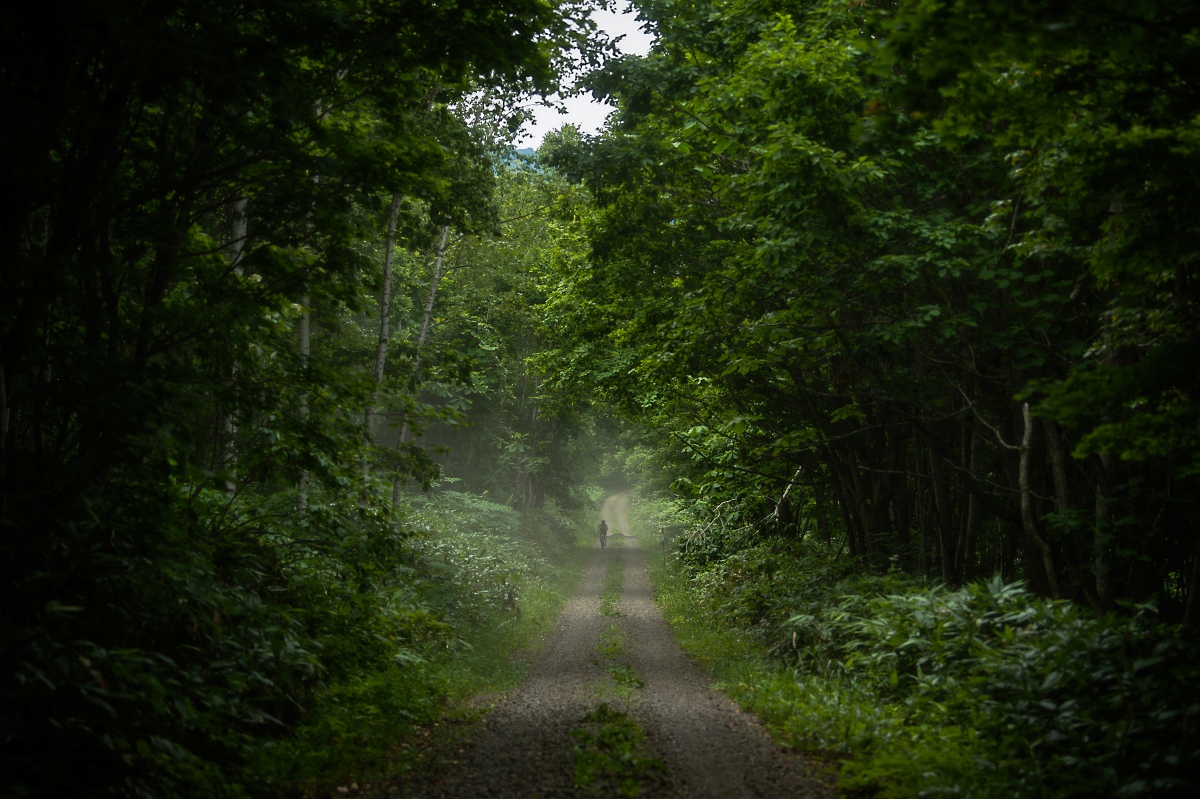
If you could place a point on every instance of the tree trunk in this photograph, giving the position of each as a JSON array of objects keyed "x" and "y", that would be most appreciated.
[
  {"x": 433, "y": 289},
  {"x": 923, "y": 501},
  {"x": 305, "y": 330},
  {"x": 1028, "y": 520},
  {"x": 898, "y": 510},
  {"x": 305, "y": 346},
  {"x": 385, "y": 310},
  {"x": 1193, "y": 600},
  {"x": 1101, "y": 533},
  {"x": 785, "y": 521},
  {"x": 237, "y": 245},
  {"x": 974, "y": 516},
  {"x": 3, "y": 439},
  {"x": 822, "y": 518},
  {"x": 941, "y": 501},
  {"x": 842, "y": 501},
  {"x": 406, "y": 430}
]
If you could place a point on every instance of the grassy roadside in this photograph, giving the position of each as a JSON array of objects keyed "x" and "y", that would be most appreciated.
[
  {"x": 745, "y": 670},
  {"x": 496, "y": 592},
  {"x": 913, "y": 690}
]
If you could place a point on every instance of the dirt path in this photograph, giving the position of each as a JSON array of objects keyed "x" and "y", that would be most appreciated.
[
  {"x": 708, "y": 746},
  {"x": 615, "y": 511}
]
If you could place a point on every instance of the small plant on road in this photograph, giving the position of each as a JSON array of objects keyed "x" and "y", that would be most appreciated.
[
  {"x": 610, "y": 753},
  {"x": 612, "y": 642},
  {"x": 610, "y": 746}
]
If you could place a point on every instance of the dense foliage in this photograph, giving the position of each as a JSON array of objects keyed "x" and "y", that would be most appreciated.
[
  {"x": 916, "y": 690},
  {"x": 478, "y": 584},
  {"x": 213, "y": 213},
  {"x": 904, "y": 294},
  {"x": 923, "y": 274}
]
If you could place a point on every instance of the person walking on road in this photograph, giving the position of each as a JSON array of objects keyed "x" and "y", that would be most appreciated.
[{"x": 603, "y": 534}]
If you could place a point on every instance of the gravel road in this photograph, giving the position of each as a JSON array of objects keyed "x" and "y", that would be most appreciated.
[{"x": 709, "y": 747}]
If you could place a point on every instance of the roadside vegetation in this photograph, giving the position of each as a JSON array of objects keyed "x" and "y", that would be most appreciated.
[
  {"x": 483, "y": 592},
  {"x": 904, "y": 298},
  {"x": 916, "y": 689},
  {"x": 278, "y": 481}
]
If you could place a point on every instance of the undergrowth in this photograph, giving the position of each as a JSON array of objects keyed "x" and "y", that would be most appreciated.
[
  {"x": 984, "y": 691},
  {"x": 481, "y": 589}
]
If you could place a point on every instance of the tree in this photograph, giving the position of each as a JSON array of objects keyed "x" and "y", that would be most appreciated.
[
  {"x": 137, "y": 357},
  {"x": 850, "y": 279}
]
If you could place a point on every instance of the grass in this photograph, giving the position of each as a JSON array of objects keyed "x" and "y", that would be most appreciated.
[
  {"x": 823, "y": 716},
  {"x": 612, "y": 642},
  {"x": 984, "y": 691},
  {"x": 819, "y": 718},
  {"x": 623, "y": 679},
  {"x": 610, "y": 753},
  {"x": 410, "y": 719},
  {"x": 614, "y": 580}
]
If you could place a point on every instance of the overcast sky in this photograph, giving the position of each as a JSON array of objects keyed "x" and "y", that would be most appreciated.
[{"x": 583, "y": 112}]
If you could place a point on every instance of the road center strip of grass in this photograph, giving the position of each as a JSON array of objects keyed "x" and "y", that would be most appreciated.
[
  {"x": 611, "y": 753},
  {"x": 614, "y": 581}
]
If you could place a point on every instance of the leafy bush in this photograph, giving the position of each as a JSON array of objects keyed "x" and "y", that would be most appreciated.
[
  {"x": 476, "y": 547},
  {"x": 473, "y": 582},
  {"x": 983, "y": 691},
  {"x": 204, "y": 629}
]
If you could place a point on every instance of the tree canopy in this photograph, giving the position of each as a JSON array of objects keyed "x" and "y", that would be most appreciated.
[
  {"x": 843, "y": 246},
  {"x": 197, "y": 195},
  {"x": 913, "y": 284}
]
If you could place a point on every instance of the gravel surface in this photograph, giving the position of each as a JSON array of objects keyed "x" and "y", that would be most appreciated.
[{"x": 709, "y": 746}]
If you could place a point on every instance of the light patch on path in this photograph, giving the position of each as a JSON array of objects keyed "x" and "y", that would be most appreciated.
[{"x": 709, "y": 746}]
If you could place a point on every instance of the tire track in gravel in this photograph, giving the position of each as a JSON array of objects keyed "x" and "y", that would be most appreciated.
[{"x": 710, "y": 747}]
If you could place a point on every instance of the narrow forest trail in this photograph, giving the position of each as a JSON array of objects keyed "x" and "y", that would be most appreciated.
[{"x": 621, "y": 654}]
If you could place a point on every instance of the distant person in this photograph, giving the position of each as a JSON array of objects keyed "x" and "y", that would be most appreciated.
[{"x": 603, "y": 534}]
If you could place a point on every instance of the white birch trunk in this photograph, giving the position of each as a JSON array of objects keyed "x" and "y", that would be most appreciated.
[
  {"x": 439, "y": 261},
  {"x": 433, "y": 288},
  {"x": 385, "y": 309}
]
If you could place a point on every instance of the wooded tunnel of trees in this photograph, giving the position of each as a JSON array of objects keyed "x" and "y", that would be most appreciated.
[{"x": 910, "y": 284}]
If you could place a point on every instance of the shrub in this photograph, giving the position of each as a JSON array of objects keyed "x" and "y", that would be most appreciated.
[{"x": 982, "y": 691}]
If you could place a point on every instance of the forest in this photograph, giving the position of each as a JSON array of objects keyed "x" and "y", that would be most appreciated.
[{"x": 311, "y": 382}]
